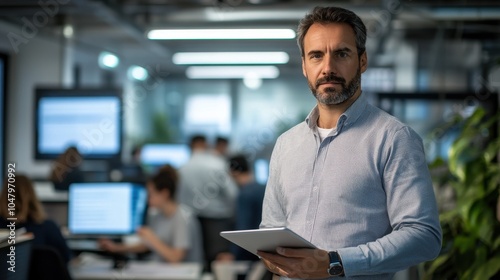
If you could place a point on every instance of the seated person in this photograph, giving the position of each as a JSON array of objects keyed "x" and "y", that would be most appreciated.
[
  {"x": 173, "y": 233},
  {"x": 31, "y": 215},
  {"x": 129, "y": 171},
  {"x": 66, "y": 169}
]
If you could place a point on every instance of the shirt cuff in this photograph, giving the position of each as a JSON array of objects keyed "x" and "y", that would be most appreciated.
[{"x": 353, "y": 260}]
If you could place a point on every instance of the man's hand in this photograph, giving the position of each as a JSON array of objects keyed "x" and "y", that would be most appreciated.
[{"x": 297, "y": 263}]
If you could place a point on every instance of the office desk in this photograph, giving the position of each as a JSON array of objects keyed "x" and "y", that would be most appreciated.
[{"x": 101, "y": 270}]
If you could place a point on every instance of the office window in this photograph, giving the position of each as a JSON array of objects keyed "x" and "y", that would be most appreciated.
[
  {"x": 208, "y": 114},
  {"x": 427, "y": 112},
  {"x": 378, "y": 80}
]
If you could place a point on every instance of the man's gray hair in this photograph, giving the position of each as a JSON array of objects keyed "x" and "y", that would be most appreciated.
[{"x": 325, "y": 15}]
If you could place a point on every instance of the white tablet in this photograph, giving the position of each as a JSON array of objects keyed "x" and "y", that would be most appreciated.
[{"x": 266, "y": 239}]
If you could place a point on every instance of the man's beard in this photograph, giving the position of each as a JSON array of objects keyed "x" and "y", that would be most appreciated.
[{"x": 331, "y": 95}]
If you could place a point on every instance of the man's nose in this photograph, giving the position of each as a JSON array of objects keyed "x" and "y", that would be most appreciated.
[{"x": 329, "y": 67}]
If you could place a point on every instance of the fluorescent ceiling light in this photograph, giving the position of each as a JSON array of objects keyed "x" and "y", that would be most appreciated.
[
  {"x": 184, "y": 58},
  {"x": 137, "y": 73},
  {"x": 252, "y": 81},
  {"x": 108, "y": 60},
  {"x": 232, "y": 72},
  {"x": 68, "y": 31},
  {"x": 218, "y": 34}
]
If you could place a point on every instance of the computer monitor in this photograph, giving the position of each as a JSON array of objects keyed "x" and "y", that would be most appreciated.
[
  {"x": 154, "y": 155},
  {"x": 115, "y": 208},
  {"x": 261, "y": 170}
]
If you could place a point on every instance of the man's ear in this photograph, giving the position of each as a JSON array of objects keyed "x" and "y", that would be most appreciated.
[{"x": 363, "y": 62}]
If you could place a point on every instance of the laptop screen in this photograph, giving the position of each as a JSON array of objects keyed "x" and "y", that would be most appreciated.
[{"x": 106, "y": 208}]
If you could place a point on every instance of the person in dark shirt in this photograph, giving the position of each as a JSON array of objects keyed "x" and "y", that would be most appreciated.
[
  {"x": 31, "y": 215},
  {"x": 248, "y": 204}
]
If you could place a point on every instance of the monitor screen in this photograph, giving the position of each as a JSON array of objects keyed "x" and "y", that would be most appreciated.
[
  {"x": 106, "y": 208},
  {"x": 160, "y": 154},
  {"x": 261, "y": 171},
  {"x": 87, "y": 119}
]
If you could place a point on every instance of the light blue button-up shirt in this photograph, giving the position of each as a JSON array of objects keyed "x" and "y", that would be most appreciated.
[{"x": 364, "y": 191}]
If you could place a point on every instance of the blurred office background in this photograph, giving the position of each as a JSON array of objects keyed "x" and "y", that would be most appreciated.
[
  {"x": 93, "y": 70},
  {"x": 429, "y": 50}
]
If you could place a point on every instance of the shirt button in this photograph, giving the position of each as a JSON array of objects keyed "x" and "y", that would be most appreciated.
[{"x": 315, "y": 189}]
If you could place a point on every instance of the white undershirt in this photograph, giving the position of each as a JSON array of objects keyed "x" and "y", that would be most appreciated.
[{"x": 323, "y": 132}]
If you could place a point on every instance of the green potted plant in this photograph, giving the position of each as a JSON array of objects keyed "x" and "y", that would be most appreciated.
[{"x": 471, "y": 229}]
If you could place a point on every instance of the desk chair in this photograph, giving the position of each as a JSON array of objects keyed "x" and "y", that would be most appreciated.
[
  {"x": 22, "y": 259},
  {"x": 47, "y": 264}
]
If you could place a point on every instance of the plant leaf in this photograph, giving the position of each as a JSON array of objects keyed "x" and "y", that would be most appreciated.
[
  {"x": 488, "y": 269},
  {"x": 492, "y": 150},
  {"x": 437, "y": 263}
]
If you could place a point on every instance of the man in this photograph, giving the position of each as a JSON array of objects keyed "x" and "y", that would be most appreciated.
[
  {"x": 249, "y": 201},
  {"x": 248, "y": 208},
  {"x": 206, "y": 186},
  {"x": 351, "y": 179},
  {"x": 221, "y": 146}
]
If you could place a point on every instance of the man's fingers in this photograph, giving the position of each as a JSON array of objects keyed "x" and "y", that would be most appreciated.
[
  {"x": 301, "y": 253},
  {"x": 274, "y": 259},
  {"x": 271, "y": 266},
  {"x": 274, "y": 268}
]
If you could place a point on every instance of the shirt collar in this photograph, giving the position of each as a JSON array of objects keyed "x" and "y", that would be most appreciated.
[{"x": 348, "y": 117}]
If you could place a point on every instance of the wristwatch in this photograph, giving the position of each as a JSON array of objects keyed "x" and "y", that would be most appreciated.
[{"x": 335, "y": 268}]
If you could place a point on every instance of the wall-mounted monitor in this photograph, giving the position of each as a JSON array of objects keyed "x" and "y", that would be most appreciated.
[
  {"x": 106, "y": 208},
  {"x": 90, "y": 119}
]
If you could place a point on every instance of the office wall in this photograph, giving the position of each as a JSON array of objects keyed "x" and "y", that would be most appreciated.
[
  {"x": 41, "y": 59},
  {"x": 36, "y": 62}
]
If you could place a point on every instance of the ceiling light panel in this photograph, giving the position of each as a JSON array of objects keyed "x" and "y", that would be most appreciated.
[
  {"x": 220, "y": 34},
  {"x": 232, "y": 72},
  {"x": 201, "y": 58}
]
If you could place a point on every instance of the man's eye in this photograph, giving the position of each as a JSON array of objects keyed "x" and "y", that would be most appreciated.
[{"x": 342, "y": 54}]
